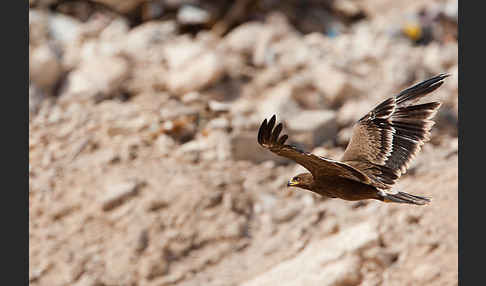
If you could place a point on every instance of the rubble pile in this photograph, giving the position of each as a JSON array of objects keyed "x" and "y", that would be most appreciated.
[{"x": 144, "y": 167}]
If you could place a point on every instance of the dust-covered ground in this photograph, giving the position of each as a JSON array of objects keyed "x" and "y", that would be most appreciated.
[{"x": 144, "y": 167}]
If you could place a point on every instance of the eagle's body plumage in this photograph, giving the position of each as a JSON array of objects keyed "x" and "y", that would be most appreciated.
[{"x": 383, "y": 143}]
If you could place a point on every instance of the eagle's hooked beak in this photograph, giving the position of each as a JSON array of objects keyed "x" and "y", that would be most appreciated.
[{"x": 291, "y": 183}]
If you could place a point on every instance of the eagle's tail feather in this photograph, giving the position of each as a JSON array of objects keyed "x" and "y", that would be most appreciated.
[{"x": 405, "y": 198}]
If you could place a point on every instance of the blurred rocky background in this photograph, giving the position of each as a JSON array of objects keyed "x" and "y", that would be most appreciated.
[{"x": 143, "y": 162}]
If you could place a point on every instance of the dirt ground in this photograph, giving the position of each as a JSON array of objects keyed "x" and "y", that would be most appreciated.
[{"x": 144, "y": 167}]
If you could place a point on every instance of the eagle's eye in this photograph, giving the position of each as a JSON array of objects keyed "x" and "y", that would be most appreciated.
[{"x": 297, "y": 179}]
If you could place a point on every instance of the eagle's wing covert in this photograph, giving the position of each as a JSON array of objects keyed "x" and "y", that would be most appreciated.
[
  {"x": 269, "y": 138},
  {"x": 385, "y": 140}
]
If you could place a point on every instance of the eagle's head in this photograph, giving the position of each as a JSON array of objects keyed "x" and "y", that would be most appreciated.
[{"x": 304, "y": 181}]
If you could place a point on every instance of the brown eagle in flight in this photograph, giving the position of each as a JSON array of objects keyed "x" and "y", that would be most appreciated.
[{"x": 383, "y": 143}]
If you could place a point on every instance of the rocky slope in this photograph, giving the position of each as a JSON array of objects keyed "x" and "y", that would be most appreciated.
[{"x": 143, "y": 162}]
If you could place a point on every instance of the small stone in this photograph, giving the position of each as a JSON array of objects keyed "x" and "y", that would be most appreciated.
[
  {"x": 451, "y": 10},
  {"x": 117, "y": 194},
  {"x": 156, "y": 205},
  {"x": 190, "y": 97},
  {"x": 218, "y": 123},
  {"x": 202, "y": 71},
  {"x": 243, "y": 38},
  {"x": 192, "y": 15},
  {"x": 347, "y": 8},
  {"x": 426, "y": 272},
  {"x": 218, "y": 106}
]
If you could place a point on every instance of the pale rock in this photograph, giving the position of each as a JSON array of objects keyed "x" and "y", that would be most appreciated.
[
  {"x": 218, "y": 123},
  {"x": 117, "y": 193},
  {"x": 425, "y": 272},
  {"x": 263, "y": 54},
  {"x": 116, "y": 30},
  {"x": 345, "y": 271},
  {"x": 215, "y": 146},
  {"x": 320, "y": 124},
  {"x": 202, "y": 71},
  {"x": 92, "y": 49},
  {"x": 164, "y": 144},
  {"x": 307, "y": 200},
  {"x": 276, "y": 27},
  {"x": 291, "y": 54},
  {"x": 194, "y": 146},
  {"x": 245, "y": 122},
  {"x": 192, "y": 15},
  {"x": 64, "y": 29},
  {"x": 243, "y": 38},
  {"x": 451, "y": 9},
  {"x": 147, "y": 78},
  {"x": 183, "y": 52},
  {"x": 75, "y": 52},
  {"x": 347, "y": 8},
  {"x": 175, "y": 110},
  {"x": 44, "y": 67},
  {"x": 98, "y": 77},
  {"x": 145, "y": 42},
  {"x": 190, "y": 97},
  {"x": 219, "y": 106},
  {"x": 438, "y": 58},
  {"x": 242, "y": 107}
]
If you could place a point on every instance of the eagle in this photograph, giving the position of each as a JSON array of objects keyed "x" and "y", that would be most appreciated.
[{"x": 382, "y": 145}]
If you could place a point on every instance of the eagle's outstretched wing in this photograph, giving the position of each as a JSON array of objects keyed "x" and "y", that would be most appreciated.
[
  {"x": 270, "y": 138},
  {"x": 385, "y": 140}
]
